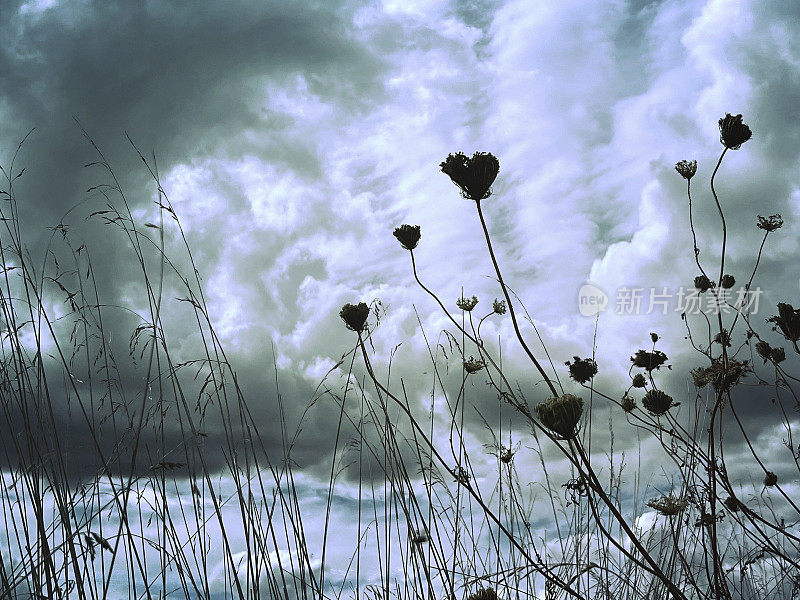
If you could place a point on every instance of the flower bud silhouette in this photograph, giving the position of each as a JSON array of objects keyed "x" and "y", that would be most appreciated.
[
  {"x": 355, "y": 316},
  {"x": 727, "y": 282},
  {"x": 732, "y": 132},
  {"x": 473, "y": 175},
  {"x": 408, "y": 236},
  {"x": 687, "y": 168}
]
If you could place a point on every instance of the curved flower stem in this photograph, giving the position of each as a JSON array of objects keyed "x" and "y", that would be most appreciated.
[
  {"x": 541, "y": 567},
  {"x": 510, "y": 304}
]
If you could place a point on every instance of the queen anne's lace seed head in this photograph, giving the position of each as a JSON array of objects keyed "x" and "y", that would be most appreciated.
[
  {"x": 473, "y": 175},
  {"x": 355, "y": 316},
  {"x": 408, "y": 236},
  {"x": 687, "y": 168},
  {"x": 467, "y": 304},
  {"x": 732, "y": 132}
]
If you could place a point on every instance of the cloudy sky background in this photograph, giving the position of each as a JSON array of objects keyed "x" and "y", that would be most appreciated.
[{"x": 291, "y": 138}]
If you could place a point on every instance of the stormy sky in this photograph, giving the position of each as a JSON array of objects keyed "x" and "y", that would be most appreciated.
[{"x": 291, "y": 138}]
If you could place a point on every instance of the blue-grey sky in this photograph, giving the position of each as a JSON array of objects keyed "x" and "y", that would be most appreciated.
[{"x": 292, "y": 137}]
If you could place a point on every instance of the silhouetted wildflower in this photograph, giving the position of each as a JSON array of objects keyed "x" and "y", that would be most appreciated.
[
  {"x": 778, "y": 355},
  {"x": 649, "y": 360},
  {"x": 788, "y": 320},
  {"x": 657, "y": 402},
  {"x": 467, "y": 304},
  {"x": 764, "y": 350},
  {"x": 702, "y": 283},
  {"x": 420, "y": 538},
  {"x": 483, "y": 594},
  {"x": 718, "y": 376},
  {"x": 687, "y": 168},
  {"x": 727, "y": 282},
  {"x": 723, "y": 338},
  {"x": 474, "y": 176},
  {"x": 770, "y": 223},
  {"x": 462, "y": 476},
  {"x": 732, "y": 132},
  {"x": 408, "y": 236},
  {"x": 654, "y": 337},
  {"x": 561, "y": 415},
  {"x": 639, "y": 381},
  {"x": 628, "y": 403},
  {"x": 499, "y": 306},
  {"x": 582, "y": 370},
  {"x": 669, "y": 506},
  {"x": 473, "y": 366},
  {"x": 355, "y": 316},
  {"x": 506, "y": 455},
  {"x": 770, "y": 479},
  {"x": 731, "y": 503}
]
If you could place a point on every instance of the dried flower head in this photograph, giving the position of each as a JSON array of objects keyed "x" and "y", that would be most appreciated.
[
  {"x": 499, "y": 306},
  {"x": 355, "y": 316},
  {"x": 467, "y": 304},
  {"x": 582, "y": 370},
  {"x": 639, "y": 381},
  {"x": 703, "y": 283},
  {"x": 461, "y": 476},
  {"x": 770, "y": 479},
  {"x": 669, "y": 506},
  {"x": 788, "y": 320},
  {"x": 506, "y": 455},
  {"x": 473, "y": 366},
  {"x": 687, "y": 168},
  {"x": 420, "y": 538},
  {"x": 764, "y": 350},
  {"x": 561, "y": 414},
  {"x": 778, "y": 355},
  {"x": 649, "y": 360},
  {"x": 628, "y": 403},
  {"x": 473, "y": 175},
  {"x": 657, "y": 402},
  {"x": 770, "y": 223},
  {"x": 732, "y": 132},
  {"x": 721, "y": 378},
  {"x": 723, "y": 338},
  {"x": 654, "y": 337},
  {"x": 408, "y": 236},
  {"x": 731, "y": 503},
  {"x": 483, "y": 594},
  {"x": 727, "y": 282}
]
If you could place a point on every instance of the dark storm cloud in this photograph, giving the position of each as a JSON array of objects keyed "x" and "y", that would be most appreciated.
[{"x": 185, "y": 79}]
